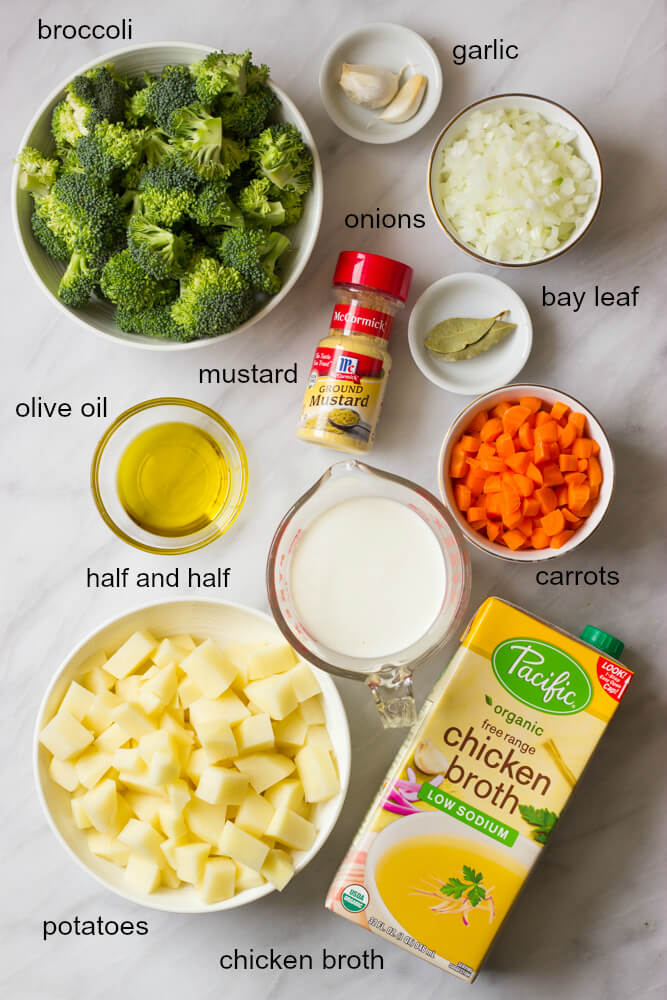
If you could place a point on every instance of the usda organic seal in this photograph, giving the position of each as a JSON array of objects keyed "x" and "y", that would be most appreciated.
[{"x": 354, "y": 898}]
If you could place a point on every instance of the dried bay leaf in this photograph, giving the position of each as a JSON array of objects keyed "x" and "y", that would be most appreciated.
[
  {"x": 456, "y": 333},
  {"x": 498, "y": 331}
]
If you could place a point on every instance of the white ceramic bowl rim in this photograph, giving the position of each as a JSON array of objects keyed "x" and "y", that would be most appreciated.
[{"x": 146, "y": 343}]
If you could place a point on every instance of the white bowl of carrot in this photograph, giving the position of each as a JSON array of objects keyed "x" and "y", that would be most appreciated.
[{"x": 527, "y": 471}]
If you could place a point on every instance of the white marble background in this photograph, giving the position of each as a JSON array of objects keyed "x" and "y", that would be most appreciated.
[{"x": 591, "y": 923}]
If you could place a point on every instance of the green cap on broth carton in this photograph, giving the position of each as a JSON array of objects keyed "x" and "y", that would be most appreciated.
[{"x": 603, "y": 641}]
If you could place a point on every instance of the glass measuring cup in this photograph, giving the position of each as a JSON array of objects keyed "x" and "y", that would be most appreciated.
[{"x": 390, "y": 677}]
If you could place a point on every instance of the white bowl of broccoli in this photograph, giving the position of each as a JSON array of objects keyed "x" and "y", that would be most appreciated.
[{"x": 167, "y": 196}]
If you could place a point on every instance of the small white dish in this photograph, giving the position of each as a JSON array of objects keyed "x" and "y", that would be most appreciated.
[
  {"x": 393, "y": 47},
  {"x": 479, "y": 296}
]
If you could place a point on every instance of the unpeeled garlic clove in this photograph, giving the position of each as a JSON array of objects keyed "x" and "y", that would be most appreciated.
[
  {"x": 407, "y": 102},
  {"x": 429, "y": 760},
  {"x": 369, "y": 86}
]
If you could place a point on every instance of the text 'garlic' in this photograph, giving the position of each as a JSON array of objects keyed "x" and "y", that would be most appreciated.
[
  {"x": 369, "y": 86},
  {"x": 407, "y": 101}
]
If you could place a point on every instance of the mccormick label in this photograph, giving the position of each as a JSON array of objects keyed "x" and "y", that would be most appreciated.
[{"x": 358, "y": 319}]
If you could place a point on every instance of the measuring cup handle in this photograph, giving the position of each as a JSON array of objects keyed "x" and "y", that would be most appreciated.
[{"x": 394, "y": 697}]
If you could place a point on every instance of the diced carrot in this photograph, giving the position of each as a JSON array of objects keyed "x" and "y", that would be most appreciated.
[
  {"x": 519, "y": 462},
  {"x": 587, "y": 509},
  {"x": 525, "y": 486},
  {"x": 526, "y": 526},
  {"x": 510, "y": 502},
  {"x": 562, "y": 495},
  {"x": 476, "y": 513},
  {"x": 463, "y": 496},
  {"x": 578, "y": 496},
  {"x": 478, "y": 422},
  {"x": 512, "y": 519},
  {"x": 579, "y": 421},
  {"x": 582, "y": 448},
  {"x": 513, "y": 417},
  {"x": 552, "y": 475},
  {"x": 514, "y": 540},
  {"x": 459, "y": 464},
  {"x": 493, "y": 484},
  {"x": 542, "y": 452},
  {"x": 539, "y": 539},
  {"x": 492, "y": 530},
  {"x": 510, "y": 486},
  {"x": 493, "y": 464},
  {"x": 494, "y": 505},
  {"x": 547, "y": 499},
  {"x": 567, "y": 436},
  {"x": 534, "y": 473},
  {"x": 594, "y": 471},
  {"x": 567, "y": 463},
  {"x": 547, "y": 431},
  {"x": 491, "y": 429},
  {"x": 557, "y": 541},
  {"x": 596, "y": 448},
  {"x": 504, "y": 446},
  {"x": 575, "y": 478},
  {"x": 532, "y": 403},
  {"x": 478, "y": 525},
  {"x": 559, "y": 410},
  {"x": 526, "y": 436},
  {"x": 475, "y": 481},
  {"x": 470, "y": 443},
  {"x": 553, "y": 523},
  {"x": 486, "y": 451},
  {"x": 554, "y": 451},
  {"x": 582, "y": 465},
  {"x": 571, "y": 518},
  {"x": 500, "y": 409},
  {"x": 530, "y": 507}
]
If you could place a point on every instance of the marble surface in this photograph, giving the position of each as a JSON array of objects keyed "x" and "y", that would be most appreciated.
[{"x": 591, "y": 922}]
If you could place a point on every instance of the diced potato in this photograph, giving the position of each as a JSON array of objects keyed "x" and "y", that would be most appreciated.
[
  {"x": 264, "y": 769},
  {"x": 312, "y": 711},
  {"x": 269, "y": 660},
  {"x": 222, "y": 786},
  {"x": 184, "y": 737},
  {"x": 291, "y": 829},
  {"x": 164, "y": 768},
  {"x": 77, "y": 701},
  {"x": 170, "y": 879},
  {"x": 128, "y": 688},
  {"x": 148, "y": 702},
  {"x": 146, "y": 807},
  {"x": 179, "y": 794},
  {"x": 138, "y": 781},
  {"x": 255, "y": 733},
  {"x": 219, "y": 879},
  {"x": 97, "y": 679},
  {"x": 131, "y": 654},
  {"x": 173, "y": 650},
  {"x": 142, "y": 839},
  {"x": 287, "y": 794},
  {"x": 98, "y": 718},
  {"x": 79, "y": 814},
  {"x": 278, "y": 868},
  {"x": 304, "y": 682},
  {"x": 64, "y": 774},
  {"x": 317, "y": 773},
  {"x": 227, "y": 708},
  {"x": 92, "y": 662},
  {"x": 132, "y": 721},
  {"x": 100, "y": 805},
  {"x": 188, "y": 692},
  {"x": 254, "y": 814},
  {"x": 164, "y": 684},
  {"x": 168, "y": 846},
  {"x": 209, "y": 668},
  {"x": 246, "y": 878},
  {"x": 92, "y": 766},
  {"x": 157, "y": 739},
  {"x": 111, "y": 739},
  {"x": 196, "y": 764},
  {"x": 290, "y": 733},
  {"x": 172, "y": 821},
  {"x": 273, "y": 695},
  {"x": 242, "y": 847},
  {"x": 205, "y": 820},
  {"x": 318, "y": 736},
  {"x": 65, "y": 737},
  {"x": 191, "y": 862},
  {"x": 143, "y": 875},
  {"x": 239, "y": 654},
  {"x": 127, "y": 759},
  {"x": 218, "y": 741},
  {"x": 104, "y": 846}
]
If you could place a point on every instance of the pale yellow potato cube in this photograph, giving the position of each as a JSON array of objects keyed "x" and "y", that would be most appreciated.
[
  {"x": 92, "y": 766},
  {"x": 291, "y": 829},
  {"x": 93, "y": 661},
  {"x": 64, "y": 774},
  {"x": 77, "y": 701},
  {"x": 219, "y": 879},
  {"x": 304, "y": 682},
  {"x": 149, "y": 702},
  {"x": 278, "y": 868},
  {"x": 98, "y": 717},
  {"x": 214, "y": 729},
  {"x": 142, "y": 839},
  {"x": 146, "y": 807},
  {"x": 273, "y": 695},
  {"x": 227, "y": 708},
  {"x": 111, "y": 739},
  {"x": 104, "y": 846},
  {"x": 148, "y": 672},
  {"x": 239, "y": 654},
  {"x": 188, "y": 692},
  {"x": 254, "y": 814},
  {"x": 205, "y": 820},
  {"x": 290, "y": 733},
  {"x": 255, "y": 733},
  {"x": 209, "y": 668},
  {"x": 318, "y": 736},
  {"x": 157, "y": 739},
  {"x": 143, "y": 875},
  {"x": 185, "y": 738},
  {"x": 123, "y": 813},
  {"x": 164, "y": 768},
  {"x": 128, "y": 688},
  {"x": 132, "y": 721},
  {"x": 191, "y": 862},
  {"x": 79, "y": 814},
  {"x": 264, "y": 769},
  {"x": 100, "y": 805},
  {"x": 269, "y": 660},
  {"x": 137, "y": 780},
  {"x": 179, "y": 794},
  {"x": 127, "y": 759},
  {"x": 317, "y": 774},
  {"x": 65, "y": 737},
  {"x": 97, "y": 679},
  {"x": 312, "y": 711},
  {"x": 172, "y": 821},
  {"x": 168, "y": 847},
  {"x": 131, "y": 655},
  {"x": 164, "y": 684},
  {"x": 246, "y": 878},
  {"x": 219, "y": 744},
  {"x": 173, "y": 650},
  {"x": 242, "y": 847},
  {"x": 287, "y": 794},
  {"x": 196, "y": 765},
  {"x": 170, "y": 879},
  {"x": 222, "y": 786}
]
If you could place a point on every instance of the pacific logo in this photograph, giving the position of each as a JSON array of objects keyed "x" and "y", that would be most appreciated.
[{"x": 542, "y": 676}]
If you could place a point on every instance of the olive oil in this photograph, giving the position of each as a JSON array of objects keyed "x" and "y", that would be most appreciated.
[{"x": 173, "y": 479}]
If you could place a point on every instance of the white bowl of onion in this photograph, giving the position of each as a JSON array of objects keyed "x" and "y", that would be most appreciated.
[{"x": 515, "y": 180}]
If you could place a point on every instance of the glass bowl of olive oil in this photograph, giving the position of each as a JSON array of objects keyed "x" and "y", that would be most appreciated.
[{"x": 169, "y": 476}]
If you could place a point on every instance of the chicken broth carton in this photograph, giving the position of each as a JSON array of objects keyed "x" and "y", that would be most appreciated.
[{"x": 478, "y": 787}]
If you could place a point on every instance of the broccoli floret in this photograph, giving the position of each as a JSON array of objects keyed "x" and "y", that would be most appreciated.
[
  {"x": 136, "y": 110},
  {"x": 37, "y": 173},
  {"x": 244, "y": 117},
  {"x": 254, "y": 254},
  {"x": 99, "y": 95},
  {"x": 156, "y": 321},
  {"x": 214, "y": 207},
  {"x": 221, "y": 73},
  {"x": 280, "y": 154},
  {"x": 55, "y": 246},
  {"x": 168, "y": 191},
  {"x": 79, "y": 280},
  {"x": 124, "y": 283},
  {"x": 110, "y": 148},
  {"x": 156, "y": 146},
  {"x": 291, "y": 202},
  {"x": 70, "y": 162},
  {"x": 159, "y": 252},
  {"x": 175, "y": 89},
  {"x": 84, "y": 213},
  {"x": 214, "y": 299},
  {"x": 198, "y": 137},
  {"x": 65, "y": 128},
  {"x": 255, "y": 201}
]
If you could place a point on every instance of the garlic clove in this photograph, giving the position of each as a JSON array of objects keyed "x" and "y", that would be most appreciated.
[
  {"x": 429, "y": 759},
  {"x": 407, "y": 101},
  {"x": 370, "y": 86}
]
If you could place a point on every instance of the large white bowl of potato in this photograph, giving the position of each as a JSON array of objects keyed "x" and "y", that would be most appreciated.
[{"x": 188, "y": 759}]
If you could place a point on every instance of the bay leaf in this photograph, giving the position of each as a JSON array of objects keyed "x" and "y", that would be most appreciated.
[
  {"x": 498, "y": 331},
  {"x": 457, "y": 332}
]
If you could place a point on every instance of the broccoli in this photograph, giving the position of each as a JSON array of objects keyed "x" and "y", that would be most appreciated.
[
  {"x": 124, "y": 283},
  {"x": 254, "y": 254},
  {"x": 37, "y": 173},
  {"x": 155, "y": 321},
  {"x": 99, "y": 95},
  {"x": 136, "y": 111},
  {"x": 214, "y": 299},
  {"x": 175, "y": 89},
  {"x": 168, "y": 191},
  {"x": 280, "y": 154},
  {"x": 244, "y": 117},
  {"x": 84, "y": 213},
  {"x": 156, "y": 146},
  {"x": 198, "y": 137},
  {"x": 65, "y": 128},
  {"x": 110, "y": 148},
  {"x": 214, "y": 207},
  {"x": 291, "y": 202},
  {"x": 159, "y": 252},
  {"x": 70, "y": 162},
  {"x": 55, "y": 246},
  {"x": 79, "y": 280},
  {"x": 221, "y": 73},
  {"x": 254, "y": 201}
]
